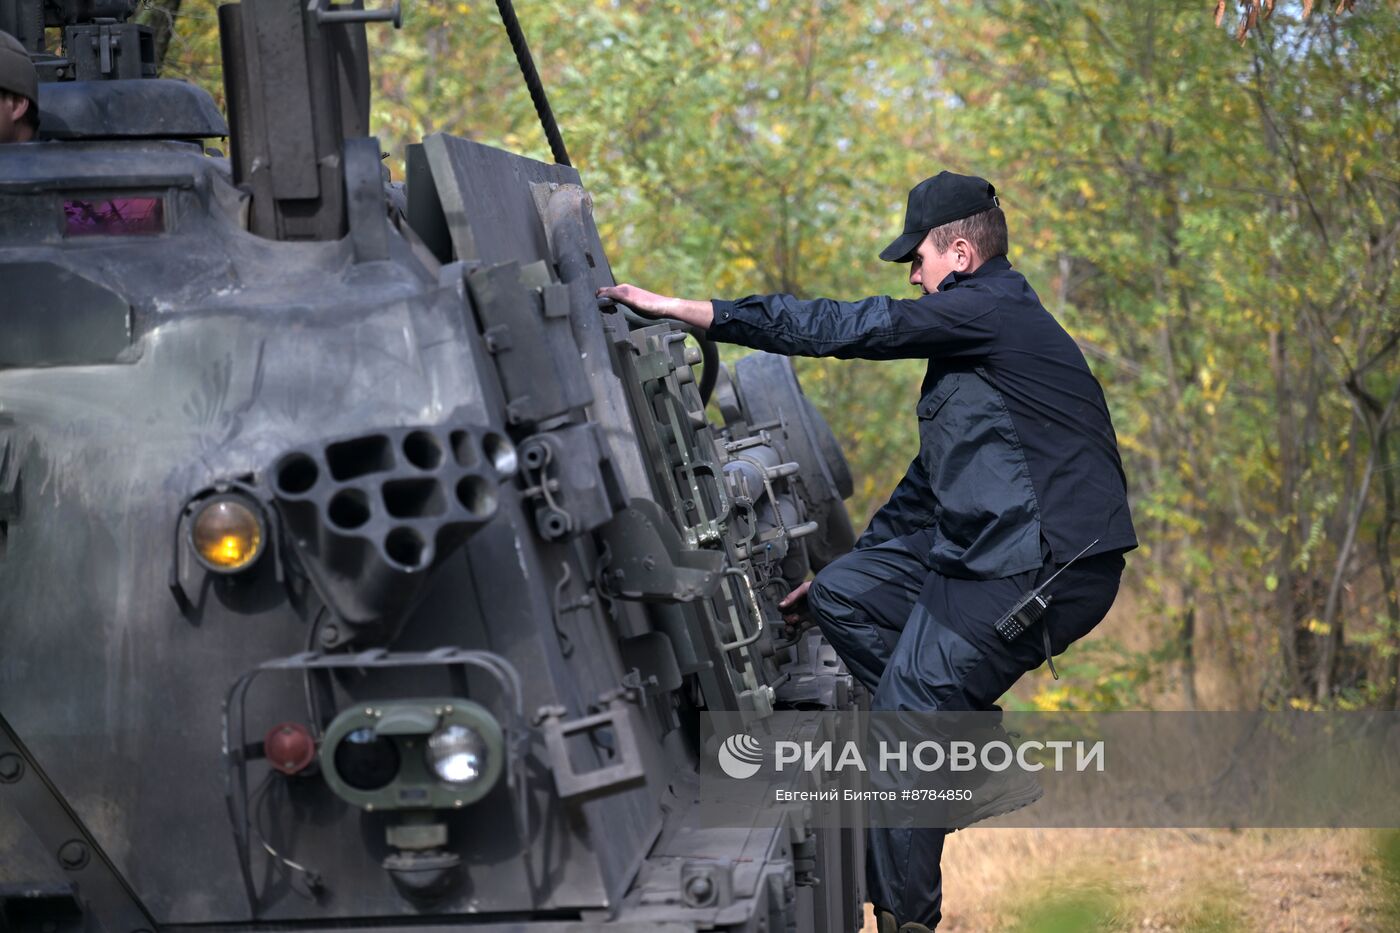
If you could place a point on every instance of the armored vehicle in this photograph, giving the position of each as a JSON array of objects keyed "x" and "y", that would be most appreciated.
[{"x": 357, "y": 569}]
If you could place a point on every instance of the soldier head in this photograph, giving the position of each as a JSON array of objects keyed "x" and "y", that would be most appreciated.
[
  {"x": 953, "y": 224},
  {"x": 19, "y": 92}
]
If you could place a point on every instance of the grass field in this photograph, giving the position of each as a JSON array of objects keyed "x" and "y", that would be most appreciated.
[{"x": 1207, "y": 881}]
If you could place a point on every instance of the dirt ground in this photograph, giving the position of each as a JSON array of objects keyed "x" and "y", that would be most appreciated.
[{"x": 1209, "y": 881}]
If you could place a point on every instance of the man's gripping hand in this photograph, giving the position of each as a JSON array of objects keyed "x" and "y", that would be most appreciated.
[
  {"x": 648, "y": 304},
  {"x": 699, "y": 314},
  {"x": 796, "y": 612}
]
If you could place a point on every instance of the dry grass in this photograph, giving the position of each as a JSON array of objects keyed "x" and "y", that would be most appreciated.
[{"x": 1206, "y": 881}]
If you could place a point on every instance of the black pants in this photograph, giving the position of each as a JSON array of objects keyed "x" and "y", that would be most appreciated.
[{"x": 921, "y": 641}]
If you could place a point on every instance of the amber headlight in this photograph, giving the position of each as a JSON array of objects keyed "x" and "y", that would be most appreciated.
[{"x": 227, "y": 533}]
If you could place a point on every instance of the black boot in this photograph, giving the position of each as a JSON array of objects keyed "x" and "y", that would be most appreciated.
[
  {"x": 995, "y": 792},
  {"x": 1002, "y": 792}
]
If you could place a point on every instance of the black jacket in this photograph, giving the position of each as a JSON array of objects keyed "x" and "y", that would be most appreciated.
[{"x": 1015, "y": 440}]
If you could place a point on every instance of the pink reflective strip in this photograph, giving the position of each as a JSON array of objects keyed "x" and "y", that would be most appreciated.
[{"x": 113, "y": 216}]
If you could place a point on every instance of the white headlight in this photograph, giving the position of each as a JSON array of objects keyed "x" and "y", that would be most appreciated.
[{"x": 457, "y": 754}]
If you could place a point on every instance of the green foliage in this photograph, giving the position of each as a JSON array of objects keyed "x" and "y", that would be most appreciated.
[
  {"x": 193, "y": 50},
  {"x": 1073, "y": 912},
  {"x": 1100, "y": 675}
]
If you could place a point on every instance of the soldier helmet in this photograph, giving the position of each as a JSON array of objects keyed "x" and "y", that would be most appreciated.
[{"x": 17, "y": 74}]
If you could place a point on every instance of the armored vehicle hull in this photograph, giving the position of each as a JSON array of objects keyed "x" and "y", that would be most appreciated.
[{"x": 382, "y": 577}]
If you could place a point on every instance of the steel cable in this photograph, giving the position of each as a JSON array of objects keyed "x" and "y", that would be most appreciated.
[{"x": 532, "y": 81}]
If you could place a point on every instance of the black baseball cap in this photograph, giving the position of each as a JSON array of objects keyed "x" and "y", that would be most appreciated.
[
  {"x": 936, "y": 201},
  {"x": 17, "y": 74}
]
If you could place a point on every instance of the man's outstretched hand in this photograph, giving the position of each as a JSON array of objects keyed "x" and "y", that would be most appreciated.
[
  {"x": 699, "y": 314},
  {"x": 796, "y": 612}
]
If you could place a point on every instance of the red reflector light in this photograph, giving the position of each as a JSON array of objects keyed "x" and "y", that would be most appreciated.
[{"x": 289, "y": 747}]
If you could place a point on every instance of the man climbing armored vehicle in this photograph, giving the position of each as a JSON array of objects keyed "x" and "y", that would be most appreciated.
[
  {"x": 354, "y": 564},
  {"x": 1017, "y": 497}
]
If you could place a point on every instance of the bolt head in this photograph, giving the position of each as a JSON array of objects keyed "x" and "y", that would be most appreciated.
[
  {"x": 73, "y": 854},
  {"x": 700, "y": 888}
]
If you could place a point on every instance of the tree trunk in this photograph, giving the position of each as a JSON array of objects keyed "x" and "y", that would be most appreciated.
[
  {"x": 1188, "y": 656},
  {"x": 1331, "y": 623},
  {"x": 1390, "y": 516},
  {"x": 1285, "y": 592}
]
